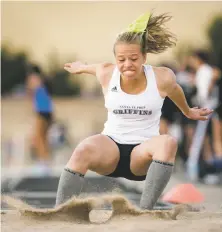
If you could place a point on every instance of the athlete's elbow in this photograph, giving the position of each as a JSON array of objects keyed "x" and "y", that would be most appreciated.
[{"x": 103, "y": 66}]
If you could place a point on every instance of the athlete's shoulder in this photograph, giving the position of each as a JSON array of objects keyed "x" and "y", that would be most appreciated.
[
  {"x": 163, "y": 71},
  {"x": 165, "y": 79},
  {"x": 105, "y": 72},
  {"x": 166, "y": 75}
]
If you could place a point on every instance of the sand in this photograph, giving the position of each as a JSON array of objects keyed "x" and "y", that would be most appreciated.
[{"x": 84, "y": 215}]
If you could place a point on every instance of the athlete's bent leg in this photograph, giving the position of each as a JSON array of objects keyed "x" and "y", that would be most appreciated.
[
  {"x": 155, "y": 159},
  {"x": 97, "y": 153}
]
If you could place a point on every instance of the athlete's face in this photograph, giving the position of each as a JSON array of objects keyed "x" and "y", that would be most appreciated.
[
  {"x": 129, "y": 59},
  {"x": 33, "y": 81},
  {"x": 194, "y": 62}
]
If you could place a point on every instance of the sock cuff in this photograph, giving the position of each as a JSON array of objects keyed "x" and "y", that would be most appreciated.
[
  {"x": 72, "y": 172},
  {"x": 164, "y": 163}
]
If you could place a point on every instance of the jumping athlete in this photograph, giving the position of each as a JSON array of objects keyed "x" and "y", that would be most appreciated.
[{"x": 130, "y": 145}]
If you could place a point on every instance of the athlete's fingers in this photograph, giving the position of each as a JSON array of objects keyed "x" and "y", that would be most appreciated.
[
  {"x": 205, "y": 112},
  {"x": 67, "y": 69},
  {"x": 68, "y": 65}
]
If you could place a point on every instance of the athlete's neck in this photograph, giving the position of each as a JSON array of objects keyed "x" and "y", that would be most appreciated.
[{"x": 137, "y": 83}]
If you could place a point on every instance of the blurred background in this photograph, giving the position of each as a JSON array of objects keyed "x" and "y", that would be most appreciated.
[{"x": 39, "y": 37}]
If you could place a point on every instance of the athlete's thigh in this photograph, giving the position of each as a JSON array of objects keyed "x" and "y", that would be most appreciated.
[
  {"x": 216, "y": 128},
  {"x": 141, "y": 155},
  {"x": 39, "y": 128},
  {"x": 105, "y": 154}
]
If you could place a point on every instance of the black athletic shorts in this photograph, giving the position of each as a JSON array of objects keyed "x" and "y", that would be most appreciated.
[
  {"x": 123, "y": 167},
  {"x": 48, "y": 117}
]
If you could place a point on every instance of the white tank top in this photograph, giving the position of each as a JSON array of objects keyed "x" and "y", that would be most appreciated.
[{"x": 133, "y": 118}]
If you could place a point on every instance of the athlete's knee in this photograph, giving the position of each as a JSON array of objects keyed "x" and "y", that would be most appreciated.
[
  {"x": 171, "y": 141},
  {"x": 167, "y": 148},
  {"x": 82, "y": 154},
  {"x": 170, "y": 146}
]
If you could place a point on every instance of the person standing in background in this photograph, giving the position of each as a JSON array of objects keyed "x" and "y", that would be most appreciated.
[
  {"x": 39, "y": 88},
  {"x": 207, "y": 96},
  {"x": 205, "y": 79},
  {"x": 186, "y": 79},
  {"x": 217, "y": 121}
]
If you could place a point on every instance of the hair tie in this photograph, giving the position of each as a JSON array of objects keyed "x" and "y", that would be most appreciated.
[{"x": 140, "y": 24}]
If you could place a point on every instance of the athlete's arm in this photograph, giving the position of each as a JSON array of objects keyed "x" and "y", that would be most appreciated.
[
  {"x": 102, "y": 70},
  {"x": 174, "y": 91}
]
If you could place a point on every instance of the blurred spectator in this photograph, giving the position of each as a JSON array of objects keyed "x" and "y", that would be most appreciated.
[
  {"x": 219, "y": 108},
  {"x": 217, "y": 122},
  {"x": 39, "y": 89},
  {"x": 207, "y": 96},
  {"x": 186, "y": 78},
  {"x": 204, "y": 78},
  {"x": 172, "y": 115},
  {"x": 169, "y": 110}
]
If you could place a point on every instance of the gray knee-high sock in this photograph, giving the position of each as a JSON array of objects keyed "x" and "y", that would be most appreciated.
[
  {"x": 70, "y": 184},
  {"x": 156, "y": 180}
]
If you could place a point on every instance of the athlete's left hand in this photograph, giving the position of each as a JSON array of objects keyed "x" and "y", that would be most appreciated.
[{"x": 199, "y": 113}]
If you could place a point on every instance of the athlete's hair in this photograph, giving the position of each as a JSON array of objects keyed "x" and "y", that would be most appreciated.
[
  {"x": 35, "y": 69},
  {"x": 203, "y": 55},
  {"x": 156, "y": 38}
]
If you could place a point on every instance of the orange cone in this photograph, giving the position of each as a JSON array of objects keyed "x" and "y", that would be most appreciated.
[{"x": 183, "y": 193}]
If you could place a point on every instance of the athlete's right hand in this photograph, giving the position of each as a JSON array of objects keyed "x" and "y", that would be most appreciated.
[{"x": 74, "y": 67}]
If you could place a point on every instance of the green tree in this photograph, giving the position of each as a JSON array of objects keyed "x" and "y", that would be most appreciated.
[
  {"x": 215, "y": 35},
  {"x": 60, "y": 79},
  {"x": 13, "y": 69},
  {"x": 62, "y": 86}
]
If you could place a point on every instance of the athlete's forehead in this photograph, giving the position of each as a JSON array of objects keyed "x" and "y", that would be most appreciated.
[
  {"x": 125, "y": 49},
  {"x": 127, "y": 54}
]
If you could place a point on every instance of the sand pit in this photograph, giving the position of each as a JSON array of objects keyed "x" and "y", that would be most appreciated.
[{"x": 84, "y": 215}]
